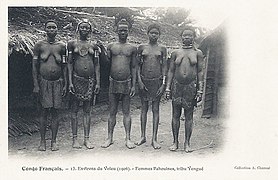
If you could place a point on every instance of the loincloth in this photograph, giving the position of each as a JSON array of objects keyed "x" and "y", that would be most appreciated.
[
  {"x": 84, "y": 88},
  {"x": 152, "y": 85},
  {"x": 51, "y": 93},
  {"x": 184, "y": 95},
  {"x": 119, "y": 87}
]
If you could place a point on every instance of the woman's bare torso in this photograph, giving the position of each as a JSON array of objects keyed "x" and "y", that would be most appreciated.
[
  {"x": 152, "y": 61},
  {"x": 83, "y": 55},
  {"x": 50, "y": 60},
  {"x": 186, "y": 65}
]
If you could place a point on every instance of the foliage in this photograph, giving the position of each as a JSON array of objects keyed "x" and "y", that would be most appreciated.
[
  {"x": 119, "y": 13},
  {"x": 173, "y": 15}
]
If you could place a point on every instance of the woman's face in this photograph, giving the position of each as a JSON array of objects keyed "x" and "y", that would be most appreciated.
[
  {"x": 153, "y": 34},
  {"x": 84, "y": 29},
  {"x": 51, "y": 29},
  {"x": 187, "y": 37}
]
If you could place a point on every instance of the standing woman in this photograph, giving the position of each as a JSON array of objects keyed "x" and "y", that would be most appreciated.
[
  {"x": 50, "y": 82},
  {"x": 84, "y": 79},
  {"x": 185, "y": 85},
  {"x": 152, "y": 80}
]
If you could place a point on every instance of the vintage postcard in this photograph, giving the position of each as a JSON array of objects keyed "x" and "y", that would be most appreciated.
[{"x": 139, "y": 90}]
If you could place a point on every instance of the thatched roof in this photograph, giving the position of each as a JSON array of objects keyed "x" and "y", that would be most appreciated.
[
  {"x": 26, "y": 27},
  {"x": 23, "y": 41},
  {"x": 215, "y": 37}
]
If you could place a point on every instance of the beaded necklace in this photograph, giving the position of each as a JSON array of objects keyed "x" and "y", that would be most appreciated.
[
  {"x": 83, "y": 48},
  {"x": 187, "y": 46}
]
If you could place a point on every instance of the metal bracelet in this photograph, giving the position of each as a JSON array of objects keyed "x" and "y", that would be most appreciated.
[
  {"x": 164, "y": 80},
  {"x": 96, "y": 53}
]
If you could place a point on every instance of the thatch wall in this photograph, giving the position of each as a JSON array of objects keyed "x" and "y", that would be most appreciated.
[{"x": 214, "y": 48}]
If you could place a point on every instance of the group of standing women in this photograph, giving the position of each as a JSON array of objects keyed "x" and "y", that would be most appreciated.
[{"x": 76, "y": 69}]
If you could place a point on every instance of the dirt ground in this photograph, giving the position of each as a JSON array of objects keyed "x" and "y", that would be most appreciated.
[{"x": 204, "y": 131}]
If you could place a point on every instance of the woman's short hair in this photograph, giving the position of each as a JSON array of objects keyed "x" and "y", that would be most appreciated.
[
  {"x": 190, "y": 28},
  {"x": 154, "y": 26}
]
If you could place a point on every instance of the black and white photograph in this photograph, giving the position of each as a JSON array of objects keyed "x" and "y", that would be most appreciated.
[{"x": 131, "y": 91}]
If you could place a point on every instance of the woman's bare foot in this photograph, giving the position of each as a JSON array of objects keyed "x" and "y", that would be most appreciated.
[
  {"x": 107, "y": 143},
  {"x": 75, "y": 144},
  {"x": 141, "y": 141},
  {"x": 129, "y": 144},
  {"x": 187, "y": 148},
  {"x": 54, "y": 146},
  {"x": 174, "y": 147},
  {"x": 42, "y": 146},
  {"x": 155, "y": 145},
  {"x": 88, "y": 144}
]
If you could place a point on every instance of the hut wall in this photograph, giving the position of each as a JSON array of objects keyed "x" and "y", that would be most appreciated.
[
  {"x": 104, "y": 78},
  {"x": 211, "y": 88},
  {"x": 215, "y": 71},
  {"x": 20, "y": 81}
]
